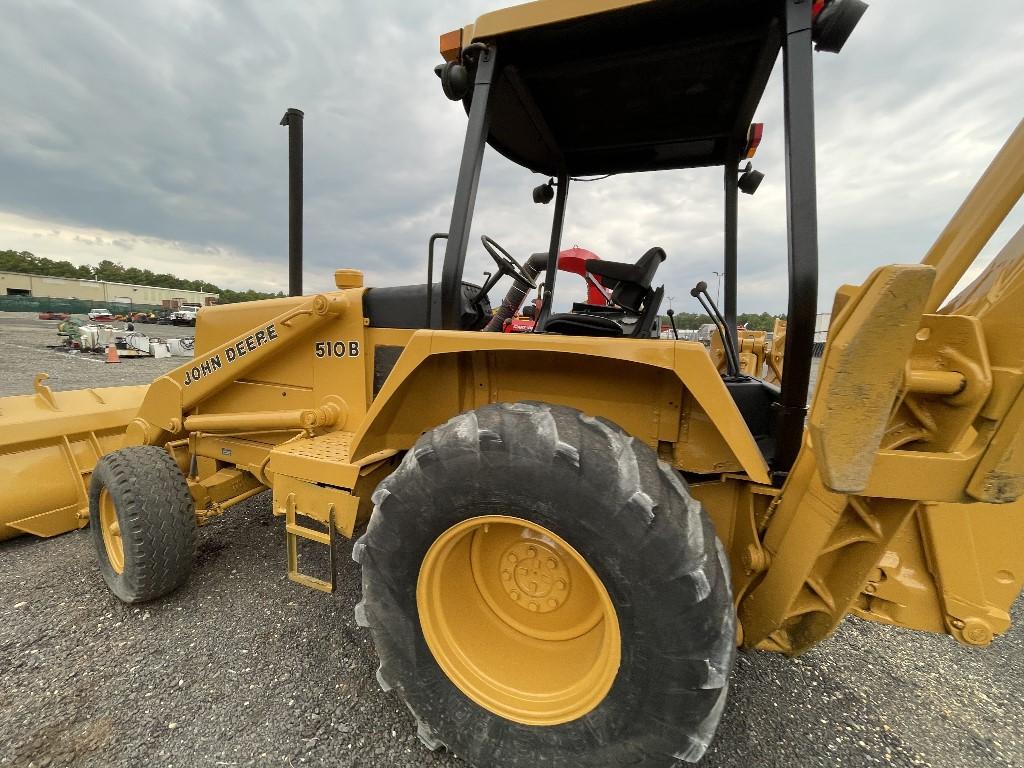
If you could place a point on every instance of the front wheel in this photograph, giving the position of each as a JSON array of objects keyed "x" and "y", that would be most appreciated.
[
  {"x": 542, "y": 590},
  {"x": 143, "y": 524}
]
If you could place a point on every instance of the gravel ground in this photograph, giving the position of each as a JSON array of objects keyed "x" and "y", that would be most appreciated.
[
  {"x": 24, "y": 347},
  {"x": 242, "y": 667}
]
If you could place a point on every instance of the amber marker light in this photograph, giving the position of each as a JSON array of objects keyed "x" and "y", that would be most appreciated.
[
  {"x": 451, "y": 45},
  {"x": 754, "y": 134}
]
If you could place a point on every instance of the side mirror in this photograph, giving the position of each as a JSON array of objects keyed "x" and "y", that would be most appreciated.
[{"x": 454, "y": 79}]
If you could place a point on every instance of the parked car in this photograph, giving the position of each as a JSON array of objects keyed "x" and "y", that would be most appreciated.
[
  {"x": 185, "y": 315},
  {"x": 101, "y": 315},
  {"x": 53, "y": 315}
]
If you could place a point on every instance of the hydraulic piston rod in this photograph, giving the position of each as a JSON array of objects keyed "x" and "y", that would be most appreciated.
[
  {"x": 936, "y": 382},
  {"x": 303, "y": 418}
]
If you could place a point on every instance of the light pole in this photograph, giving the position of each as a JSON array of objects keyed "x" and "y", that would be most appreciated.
[{"x": 718, "y": 287}]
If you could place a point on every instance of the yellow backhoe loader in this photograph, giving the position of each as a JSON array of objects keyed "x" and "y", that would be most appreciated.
[{"x": 569, "y": 532}]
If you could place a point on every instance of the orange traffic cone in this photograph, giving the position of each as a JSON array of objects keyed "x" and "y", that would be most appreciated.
[{"x": 112, "y": 356}]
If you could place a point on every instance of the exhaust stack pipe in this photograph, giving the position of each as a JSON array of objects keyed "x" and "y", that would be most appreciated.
[{"x": 293, "y": 119}]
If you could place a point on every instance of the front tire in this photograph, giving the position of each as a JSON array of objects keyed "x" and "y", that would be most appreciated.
[
  {"x": 470, "y": 539},
  {"x": 143, "y": 524}
]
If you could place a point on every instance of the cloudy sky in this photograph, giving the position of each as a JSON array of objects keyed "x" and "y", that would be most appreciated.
[{"x": 147, "y": 133}]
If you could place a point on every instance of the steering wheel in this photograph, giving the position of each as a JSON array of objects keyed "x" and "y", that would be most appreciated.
[{"x": 506, "y": 264}]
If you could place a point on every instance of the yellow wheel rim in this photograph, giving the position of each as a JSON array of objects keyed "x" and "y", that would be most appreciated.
[
  {"x": 518, "y": 620},
  {"x": 111, "y": 529}
]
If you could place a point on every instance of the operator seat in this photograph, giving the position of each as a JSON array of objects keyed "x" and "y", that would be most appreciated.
[{"x": 631, "y": 292}]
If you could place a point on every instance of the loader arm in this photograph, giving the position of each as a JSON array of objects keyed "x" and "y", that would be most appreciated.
[
  {"x": 61, "y": 435},
  {"x": 163, "y": 414}
]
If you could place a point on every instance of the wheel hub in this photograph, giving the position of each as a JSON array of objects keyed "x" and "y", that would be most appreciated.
[
  {"x": 111, "y": 529},
  {"x": 534, "y": 576},
  {"x": 518, "y": 620}
]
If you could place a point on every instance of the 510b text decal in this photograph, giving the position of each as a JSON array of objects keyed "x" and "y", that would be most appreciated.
[{"x": 336, "y": 349}]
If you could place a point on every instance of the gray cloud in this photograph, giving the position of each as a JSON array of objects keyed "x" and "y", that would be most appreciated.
[{"x": 158, "y": 121}]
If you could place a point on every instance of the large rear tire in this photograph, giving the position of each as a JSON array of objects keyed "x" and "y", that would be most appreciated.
[
  {"x": 143, "y": 523},
  {"x": 516, "y": 531}
]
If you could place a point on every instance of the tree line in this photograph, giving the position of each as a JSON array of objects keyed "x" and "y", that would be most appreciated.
[
  {"x": 689, "y": 321},
  {"x": 28, "y": 263},
  {"x": 109, "y": 271}
]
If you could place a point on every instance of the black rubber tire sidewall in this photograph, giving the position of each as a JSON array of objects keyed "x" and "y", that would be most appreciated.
[
  {"x": 666, "y": 577},
  {"x": 156, "y": 515}
]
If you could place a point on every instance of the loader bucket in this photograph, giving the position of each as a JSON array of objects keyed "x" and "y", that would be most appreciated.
[{"x": 49, "y": 444}]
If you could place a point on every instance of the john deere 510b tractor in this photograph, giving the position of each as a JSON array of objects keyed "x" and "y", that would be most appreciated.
[{"x": 569, "y": 532}]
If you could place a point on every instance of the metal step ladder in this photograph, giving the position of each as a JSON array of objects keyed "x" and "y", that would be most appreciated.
[{"x": 293, "y": 531}]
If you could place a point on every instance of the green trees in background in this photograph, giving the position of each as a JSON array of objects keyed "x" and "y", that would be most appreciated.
[
  {"x": 761, "y": 322},
  {"x": 28, "y": 263},
  {"x": 688, "y": 321},
  {"x": 25, "y": 262}
]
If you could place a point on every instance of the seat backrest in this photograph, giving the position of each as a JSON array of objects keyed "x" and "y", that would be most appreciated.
[
  {"x": 652, "y": 304},
  {"x": 632, "y": 281},
  {"x": 629, "y": 296}
]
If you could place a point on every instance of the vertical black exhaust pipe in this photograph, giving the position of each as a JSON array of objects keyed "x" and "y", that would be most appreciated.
[{"x": 293, "y": 119}]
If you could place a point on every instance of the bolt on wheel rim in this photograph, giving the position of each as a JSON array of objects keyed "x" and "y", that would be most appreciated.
[
  {"x": 111, "y": 529},
  {"x": 518, "y": 620}
]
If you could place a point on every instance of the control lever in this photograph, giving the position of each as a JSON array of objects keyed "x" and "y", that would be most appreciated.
[
  {"x": 732, "y": 360},
  {"x": 488, "y": 284},
  {"x": 672, "y": 319}
]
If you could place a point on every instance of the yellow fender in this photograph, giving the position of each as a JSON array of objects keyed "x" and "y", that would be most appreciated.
[{"x": 443, "y": 373}]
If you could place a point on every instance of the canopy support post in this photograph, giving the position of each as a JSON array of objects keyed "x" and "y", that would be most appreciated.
[{"x": 446, "y": 309}]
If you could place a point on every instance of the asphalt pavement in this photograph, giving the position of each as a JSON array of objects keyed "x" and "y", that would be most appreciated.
[{"x": 243, "y": 668}]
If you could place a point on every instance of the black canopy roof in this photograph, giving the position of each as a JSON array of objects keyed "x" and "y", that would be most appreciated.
[{"x": 658, "y": 85}]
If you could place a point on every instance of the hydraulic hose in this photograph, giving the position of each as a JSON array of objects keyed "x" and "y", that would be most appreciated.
[{"x": 517, "y": 294}]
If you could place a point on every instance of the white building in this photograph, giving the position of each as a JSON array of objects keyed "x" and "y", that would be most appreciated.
[{"x": 99, "y": 292}]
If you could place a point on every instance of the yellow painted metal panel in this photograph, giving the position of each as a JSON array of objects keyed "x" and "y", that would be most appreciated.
[
  {"x": 862, "y": 371},
  {"x": 981, "y": 213},
  {"x": 323, "y": 459},
  {"x": 49, "y": 444},
  {"x": 405, "y": 407},
  {"x": 539, "y": 13}
]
